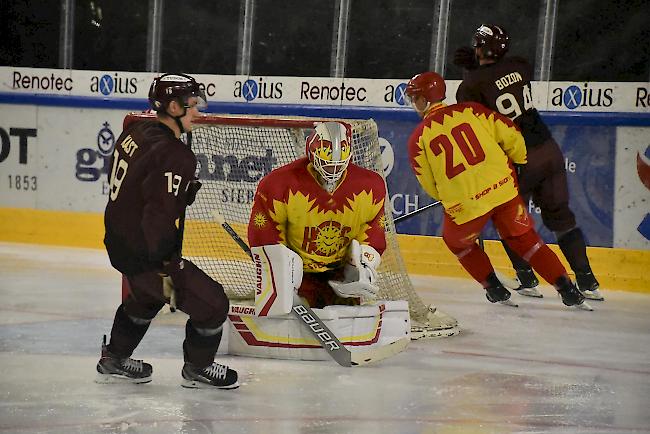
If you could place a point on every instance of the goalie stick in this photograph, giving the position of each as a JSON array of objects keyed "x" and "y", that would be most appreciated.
[{"x": 318, "y": 329}]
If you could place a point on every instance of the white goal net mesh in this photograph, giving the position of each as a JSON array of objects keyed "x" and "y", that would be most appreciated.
[{"x": 233, "y": 154}]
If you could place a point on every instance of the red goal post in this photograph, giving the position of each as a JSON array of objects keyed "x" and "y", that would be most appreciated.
[{"x": 234, "y": 152}]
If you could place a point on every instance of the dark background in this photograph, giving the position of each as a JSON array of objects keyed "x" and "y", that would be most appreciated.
[{"x": 595, "y": 40}]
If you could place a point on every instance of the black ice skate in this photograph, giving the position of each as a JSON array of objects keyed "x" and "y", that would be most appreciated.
[
  {"x": 112, "y": 369},
  {"x": 528, "y": 283},
  {"x": 570, "y": 294},
  {"x": 588, "y": 285},
  {"x": 215, "y": 375},
  {"x": 496, "y": 292}
]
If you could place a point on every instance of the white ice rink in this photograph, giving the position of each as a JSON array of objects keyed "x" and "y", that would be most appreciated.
[{"x": 540, "y": 368}]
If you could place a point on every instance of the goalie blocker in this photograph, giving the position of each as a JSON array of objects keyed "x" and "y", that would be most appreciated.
[{"x": 269, "y": 330}]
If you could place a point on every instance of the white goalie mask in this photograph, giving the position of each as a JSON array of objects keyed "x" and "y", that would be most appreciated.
[{"x": 329, "y": 150}]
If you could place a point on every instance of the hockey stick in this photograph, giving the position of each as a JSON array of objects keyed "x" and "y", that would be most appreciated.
[
  {"x": 417, "y": 211},
  {"x": 317, "y": 328}
]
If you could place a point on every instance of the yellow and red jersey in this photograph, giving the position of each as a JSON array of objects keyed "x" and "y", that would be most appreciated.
[
  {"x": 292, "y": 208},
  {"x": 460, "y": 155}
]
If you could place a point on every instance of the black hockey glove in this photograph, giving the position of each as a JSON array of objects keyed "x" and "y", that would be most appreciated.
[
  {"x": 465, "y": 58},
  {"x": 192, "y": 188},
  {"x": 173, "y": 279},
  {"x": 173, "y": 267}
]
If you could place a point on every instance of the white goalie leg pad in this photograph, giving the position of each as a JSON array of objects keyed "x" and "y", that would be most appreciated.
[
  {"x": 278, "y": 273},
  {"x": 370, "y": 325},
  {"x": 285, "y": 337},
  {"x": 360, "y": 273}
]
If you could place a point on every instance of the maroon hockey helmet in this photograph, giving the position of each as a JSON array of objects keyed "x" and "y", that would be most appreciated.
[
  {"x": 178, "y": 87},
  {"x": 493, "y": 39},
  {"x": 429, "y": 85}
]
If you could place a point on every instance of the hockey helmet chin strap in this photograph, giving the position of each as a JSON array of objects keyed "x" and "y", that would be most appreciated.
[
  {"x": 177, "y": 119},
  {"x": 185, "y": 106},
  {"x": 201, "y": 104}
]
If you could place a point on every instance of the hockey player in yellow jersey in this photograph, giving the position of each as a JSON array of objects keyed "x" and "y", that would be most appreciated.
[
  {"x": 464, "y": 155},
  {"x": 328, "y": 211}
]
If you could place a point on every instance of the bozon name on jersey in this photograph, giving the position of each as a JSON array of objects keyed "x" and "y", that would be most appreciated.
[{"x": 507, "y": 80}]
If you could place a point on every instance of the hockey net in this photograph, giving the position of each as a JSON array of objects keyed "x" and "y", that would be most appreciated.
[{"x": 233, "y": 154}]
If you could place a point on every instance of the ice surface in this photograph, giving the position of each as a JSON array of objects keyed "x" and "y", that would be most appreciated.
[{"x": 541, "y": 367}]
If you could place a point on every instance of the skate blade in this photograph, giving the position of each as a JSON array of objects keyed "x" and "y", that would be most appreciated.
[
  {"x": 195, "y": 384},
  {"x": 117, "y": 379},
  {"x": 529, "y": 292},
  {"x": 593, "y": 295},
  {"x": 584, "y": 306},
  {"x": 508, "y": 303}
]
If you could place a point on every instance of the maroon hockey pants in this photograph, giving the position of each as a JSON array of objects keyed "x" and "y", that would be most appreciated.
[{"x": 202, "y": 298}]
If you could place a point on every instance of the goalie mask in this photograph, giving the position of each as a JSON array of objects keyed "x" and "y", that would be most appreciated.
[
  {"x": 329, "y": 150},
  {"x": 175, "y": 87},
  {"x": 493, "y": 41}
]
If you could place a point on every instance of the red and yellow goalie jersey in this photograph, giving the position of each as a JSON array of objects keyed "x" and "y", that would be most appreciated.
[
  {"x": 291, "y": 207},
  {"x": 460, "y": 154}
]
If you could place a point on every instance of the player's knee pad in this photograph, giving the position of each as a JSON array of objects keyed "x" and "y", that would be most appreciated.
[
  {"x": 559, "y": 218},
  {"x": 455, "y": 247},
  {"x": 526, "y": 244},
  {"x": 202, "y": 297},
  {"x": 129, "y": 321},
  {"x": 141, "y": 310},
  {"x": 570, "y": 236}
]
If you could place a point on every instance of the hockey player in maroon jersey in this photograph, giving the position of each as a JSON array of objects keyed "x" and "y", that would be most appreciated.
[
  {"x": 330, "y": 212},
  {"x": 152, "y": 181},
  {"x": 503, "y": 84},
  {"x": 461, "y": 155}
]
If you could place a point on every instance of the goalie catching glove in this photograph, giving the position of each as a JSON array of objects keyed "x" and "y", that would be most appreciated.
[{"x": 360, "y": 273}]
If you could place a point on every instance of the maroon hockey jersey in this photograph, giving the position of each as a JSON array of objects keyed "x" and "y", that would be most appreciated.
[
  {"x": 150, "y": 173},
  {"x": 505, "y": 87}
]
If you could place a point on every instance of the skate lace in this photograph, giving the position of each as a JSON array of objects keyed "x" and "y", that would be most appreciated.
[
  {"x": 132, "y": 365},
  {"x": 217, "y": 371}
]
